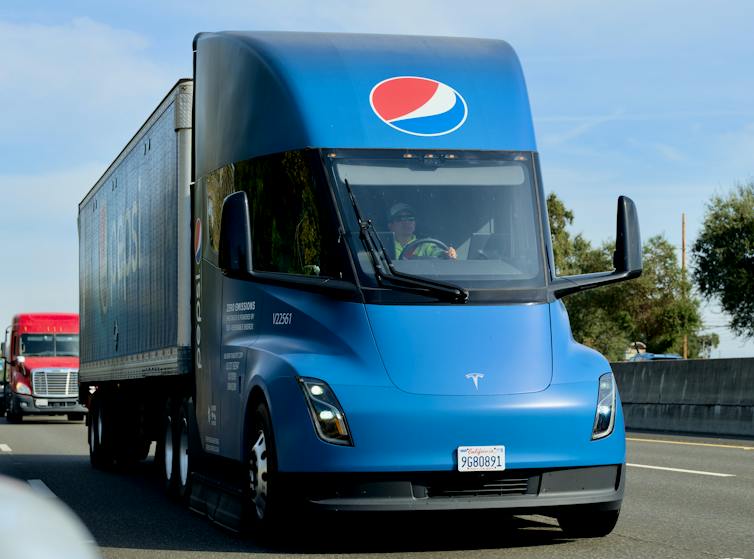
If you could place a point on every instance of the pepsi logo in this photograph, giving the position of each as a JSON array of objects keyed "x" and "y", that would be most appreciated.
[
  {"x": 198, "y": 241},
  {"x": 418, "y": 106}
]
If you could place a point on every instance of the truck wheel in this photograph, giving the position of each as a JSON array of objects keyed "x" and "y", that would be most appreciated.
[
  {"x": 13, "y": 416},
  {"x": 75, "y": 416},
  {"x": 261, "y": 501},
  {"x": 100, "y": 455},
  {"x": 181, "y": 449},
  {"x": 588, "y": 522},
  {"x": 166, "y": 449}
]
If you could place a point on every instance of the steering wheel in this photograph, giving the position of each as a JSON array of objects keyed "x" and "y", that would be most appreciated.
[{"x": 410, "y": 249}]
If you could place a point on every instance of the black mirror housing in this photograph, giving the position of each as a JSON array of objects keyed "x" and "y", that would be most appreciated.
[
  {"x": 627, "y": 257},
  {"x": 235, "y": 235}
]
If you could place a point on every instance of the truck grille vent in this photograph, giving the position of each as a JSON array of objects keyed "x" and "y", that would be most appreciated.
[
  {"x": 55, "y": 383},
  {"x": 479, "y": 488}
]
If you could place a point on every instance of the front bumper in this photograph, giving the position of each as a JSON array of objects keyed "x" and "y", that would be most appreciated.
[
  {"x": 31, "y": 405},
  {"x": 516, "y": 491},
  {"x": 394, "y": 431}
]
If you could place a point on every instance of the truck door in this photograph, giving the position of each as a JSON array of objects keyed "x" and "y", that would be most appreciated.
[
  {"x": 225, "y": 320},
  {"x": 206, "y": 322},
  {"x": 240, "y": 310}
]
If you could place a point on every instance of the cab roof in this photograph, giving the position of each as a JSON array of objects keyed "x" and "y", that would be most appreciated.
[
  {"x": 265, "y": 92},
  {"x": 46, "y": 322}
]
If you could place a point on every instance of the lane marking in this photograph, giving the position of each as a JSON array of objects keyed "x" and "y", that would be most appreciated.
[
  {"x": 5, "y": 448},
  {"x": 41, "y": 488},
  {"x": 681, "y": 470},
  {"x": 690, "y": 444}
]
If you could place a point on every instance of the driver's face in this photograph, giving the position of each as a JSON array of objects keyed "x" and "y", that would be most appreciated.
[{"x": 403, "y": 225}]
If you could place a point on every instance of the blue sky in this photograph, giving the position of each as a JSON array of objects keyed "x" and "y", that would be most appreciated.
[{"x": 654, "y": 100}]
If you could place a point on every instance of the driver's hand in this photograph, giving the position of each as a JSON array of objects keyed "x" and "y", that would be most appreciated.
[{"x": 452, "y": 253}]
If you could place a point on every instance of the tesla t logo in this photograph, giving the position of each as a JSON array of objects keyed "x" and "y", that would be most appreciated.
[{"x": 475, "y": 377}]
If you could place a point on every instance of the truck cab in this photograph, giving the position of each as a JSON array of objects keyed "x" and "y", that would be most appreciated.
[
  {"x": 41, "y": 353},
  {"x": 371, "y": 230}
]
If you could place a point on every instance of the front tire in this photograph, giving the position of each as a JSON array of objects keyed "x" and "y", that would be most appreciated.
[
  {"x": 262, "y": 495},
  {"x": 13, "y": 413},
  {"x": 588, "y": 522}
]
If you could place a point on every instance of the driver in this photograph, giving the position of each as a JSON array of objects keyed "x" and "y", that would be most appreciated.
[{"x": 402, "y": 222}]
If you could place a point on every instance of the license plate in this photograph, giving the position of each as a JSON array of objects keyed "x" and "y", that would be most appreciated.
[
  {"x": 481, "y": 458},
  {"x": 41, "y": 403}
]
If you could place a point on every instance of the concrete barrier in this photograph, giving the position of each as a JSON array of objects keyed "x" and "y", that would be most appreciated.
[{"x": 708, "y": 396}]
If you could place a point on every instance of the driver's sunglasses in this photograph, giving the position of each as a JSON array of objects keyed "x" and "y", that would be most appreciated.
[{"x": 404, "y": 217}]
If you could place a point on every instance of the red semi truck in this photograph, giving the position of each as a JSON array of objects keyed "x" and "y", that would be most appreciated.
[{"x": 41, "y": 370}]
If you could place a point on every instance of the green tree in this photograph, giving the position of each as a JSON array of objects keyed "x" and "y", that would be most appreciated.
[
  {"x": 656, "y": 308},
  {"x": 724, "y": 256}
]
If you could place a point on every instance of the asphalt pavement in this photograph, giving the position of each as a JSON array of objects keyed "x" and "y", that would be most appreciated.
[{"x": 686, "y": 497}]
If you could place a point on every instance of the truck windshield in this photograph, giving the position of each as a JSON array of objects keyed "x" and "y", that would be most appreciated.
[
  {"x": 50, "y": 345},
  {"x": 466, "y": 218}
]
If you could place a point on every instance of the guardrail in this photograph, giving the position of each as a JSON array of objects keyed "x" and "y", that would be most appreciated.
[{"x": 706, "y": 396}]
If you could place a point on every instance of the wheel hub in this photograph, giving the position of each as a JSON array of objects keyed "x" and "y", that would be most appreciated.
[{"x": 258, "y": 475}]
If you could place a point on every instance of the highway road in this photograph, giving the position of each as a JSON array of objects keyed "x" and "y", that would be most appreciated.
[{"x": 686, "y": 497}]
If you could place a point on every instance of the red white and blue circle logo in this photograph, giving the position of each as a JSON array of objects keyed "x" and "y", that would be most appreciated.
[
  {"x": 418, "y": 106},
  {"x": 198, "y": 241}
]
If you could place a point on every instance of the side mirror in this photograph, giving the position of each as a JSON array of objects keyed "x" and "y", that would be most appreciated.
[
  {"x": 627, "y": 255},
  {"x": 2, "y": 351},
  {"x": 626, "y": 258},
  {"x": 235, "y": 235}
]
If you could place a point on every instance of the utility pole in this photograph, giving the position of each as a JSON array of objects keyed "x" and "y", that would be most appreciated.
[{"x": 683, "y": 280}]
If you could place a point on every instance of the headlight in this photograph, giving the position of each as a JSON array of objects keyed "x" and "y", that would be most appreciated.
[
  {"x": 604, "y": 418},
  {"x": 327, "y": 414},
  {"x": 21, "y": 388}
]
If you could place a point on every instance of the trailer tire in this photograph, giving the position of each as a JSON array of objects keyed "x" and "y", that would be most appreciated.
[
  {"x": 100, "y": 454},
  {"x": 588, "y": 522},
  {"x": 262, "y": 498}
]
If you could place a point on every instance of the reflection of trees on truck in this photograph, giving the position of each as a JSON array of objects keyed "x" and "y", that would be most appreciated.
[{"x": 293, "y": 245}]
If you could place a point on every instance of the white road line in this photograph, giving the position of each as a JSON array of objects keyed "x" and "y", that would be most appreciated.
[
  {"x": 5, "y": 448},
  {"x": 41, "y": 488},
  {"x": 715, "y": 474},
  {"x": 685, "y": 443}
]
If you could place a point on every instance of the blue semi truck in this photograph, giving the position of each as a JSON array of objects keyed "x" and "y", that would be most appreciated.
[{"x": 321, "y": 272}]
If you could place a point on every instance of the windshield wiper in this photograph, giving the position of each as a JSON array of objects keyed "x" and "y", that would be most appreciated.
[{"x": 386, "y": 272}]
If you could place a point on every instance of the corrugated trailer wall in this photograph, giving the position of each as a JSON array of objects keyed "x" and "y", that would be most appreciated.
[{"x": 134, "y": 303}]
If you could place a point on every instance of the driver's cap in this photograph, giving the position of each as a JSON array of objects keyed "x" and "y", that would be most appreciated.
[{"x": 398, "y": 208}]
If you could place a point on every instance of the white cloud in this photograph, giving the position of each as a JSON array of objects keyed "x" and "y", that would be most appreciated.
[
  {"x": 45, "y": 197},
  {"x": 582, "y": 127},
  {"x": 39, "y": 239},
  {"x": 72, "y": 88},
  {"x": 81, "y": 59}
]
